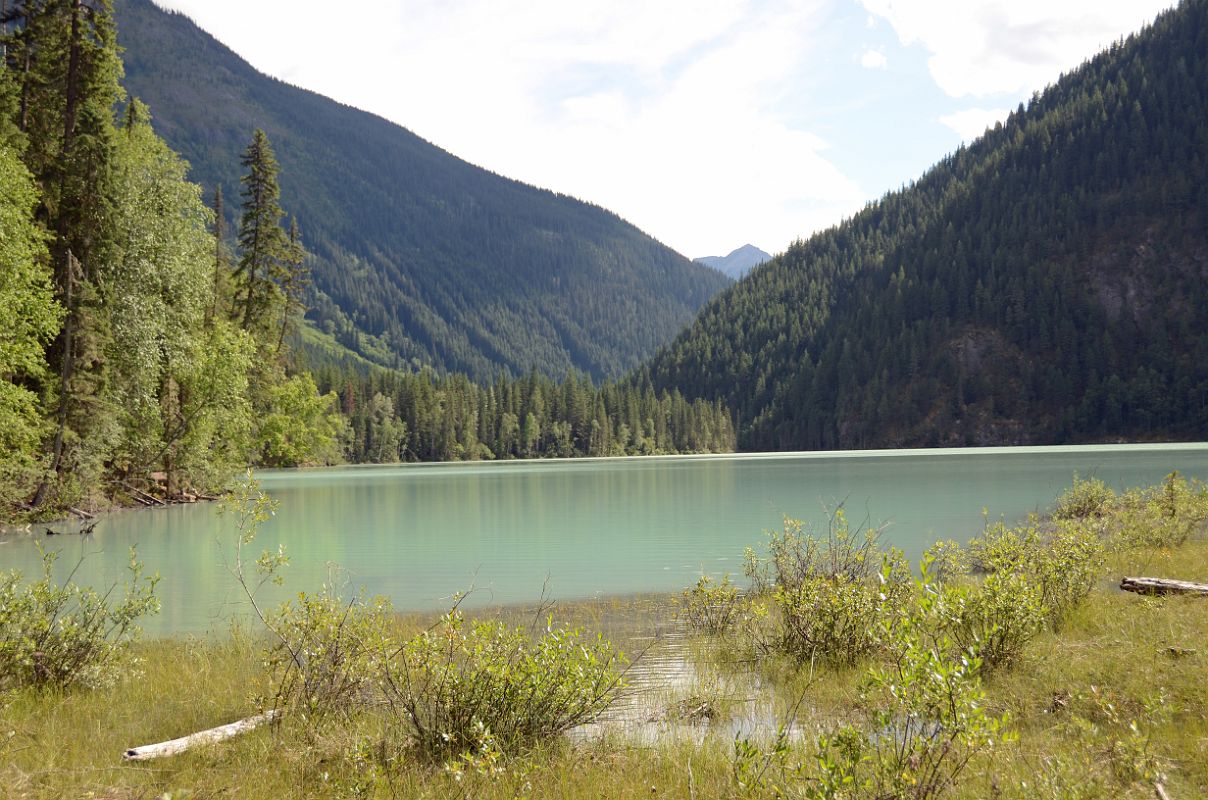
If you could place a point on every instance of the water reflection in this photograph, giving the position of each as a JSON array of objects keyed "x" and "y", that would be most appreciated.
[{"x": 419, "y": 533}]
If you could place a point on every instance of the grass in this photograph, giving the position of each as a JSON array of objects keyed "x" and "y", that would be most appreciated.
[{"x": 1114, "y": 702}]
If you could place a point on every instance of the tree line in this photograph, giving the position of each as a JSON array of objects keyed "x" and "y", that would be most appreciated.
[{"x": 426, "y": 416}]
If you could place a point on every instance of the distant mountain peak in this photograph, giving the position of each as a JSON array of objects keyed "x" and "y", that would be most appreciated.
[{"x": 738, "y": 262}]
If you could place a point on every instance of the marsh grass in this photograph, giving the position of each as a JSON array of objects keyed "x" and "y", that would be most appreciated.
[{"x": 1104, "y": 706}]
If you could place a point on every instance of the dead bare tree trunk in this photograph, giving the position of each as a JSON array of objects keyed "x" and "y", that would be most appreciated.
[{"x": 1163, "y": 586}]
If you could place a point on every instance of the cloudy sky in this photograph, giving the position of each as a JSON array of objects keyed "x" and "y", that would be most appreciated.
[{"x": 707, "y": 123}]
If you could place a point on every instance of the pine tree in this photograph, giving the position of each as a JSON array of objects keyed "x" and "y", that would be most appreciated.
[
  {"x": 293, "y": 278},
  {"x": 263, "y": 244},
  {"x": 69, "y": 70}
]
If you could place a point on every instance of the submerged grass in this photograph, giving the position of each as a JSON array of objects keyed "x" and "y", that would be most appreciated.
[{"x": 1108, "y": 705}]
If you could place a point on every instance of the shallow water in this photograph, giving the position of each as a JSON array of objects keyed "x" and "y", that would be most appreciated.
[{"x": 419, "y": 533}]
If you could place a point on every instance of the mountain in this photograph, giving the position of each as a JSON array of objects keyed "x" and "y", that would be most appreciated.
[
  {"x": 738, "y": 263},
  {"x": 1046, "y": 284},
  {"x": 420, "y": 257}
]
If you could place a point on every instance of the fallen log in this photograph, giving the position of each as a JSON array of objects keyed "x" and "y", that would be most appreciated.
[
  {"x": 1163, "y": 586},
  {"x": 175, "y": 746},
  {"x": 143, "y": 497}
]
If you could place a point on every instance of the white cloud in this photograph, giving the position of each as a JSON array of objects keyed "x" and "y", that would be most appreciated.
[
  {"x": 873, "y": 59},
  {"x": 972, "y": 122},
  {"x": 983, "y": 47},
  {"x": 673, "y": 114}
]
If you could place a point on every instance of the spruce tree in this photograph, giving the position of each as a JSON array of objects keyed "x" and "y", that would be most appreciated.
[
  {"x": 68, "y": 71},
  {"x": 263, "y": 244}
]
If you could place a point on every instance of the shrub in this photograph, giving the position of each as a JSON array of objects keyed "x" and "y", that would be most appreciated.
[
  {"x": 461, "y": 682},
  {"x": 1086, "y": 498},
  {"x": 329, "y": 654},
  {"x": 996, "y": 618},
  {"x": 947, "y": 560},
  {"x": 1161, "y": 516},
  {"x": 710, "y": 608},
  {"x": 65, "y": 635},
  {"x": 796, "y": 557},
  {"x": 1061, "y": 565},
  {"x": 929, "y": 720},
  {"x": 828, "y": 596}
]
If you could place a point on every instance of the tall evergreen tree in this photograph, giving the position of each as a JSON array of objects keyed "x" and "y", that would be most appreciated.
[
  {"x": 263, "y": 244},
  {"x": 66, "y": 52},
  {"x": 294, "y": 278}
]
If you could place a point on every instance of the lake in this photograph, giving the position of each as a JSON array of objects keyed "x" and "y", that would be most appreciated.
[{"x": 421, "y": 532}]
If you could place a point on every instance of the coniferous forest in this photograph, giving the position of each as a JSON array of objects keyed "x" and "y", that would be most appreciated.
[
  {"x": 148, "y": 348},
  {"x": 1046, "y": 284}
]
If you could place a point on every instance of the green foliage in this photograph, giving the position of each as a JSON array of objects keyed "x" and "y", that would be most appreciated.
[
  {"x": 427, "y": 417},
  {"x": 928, "y": 720},
  {"x": 1062, "y": 564},
  {"x": 933, "y": 719},
  {"x": 1041, "y": 285},
  {"x": 830, "y": 596},
  {"x": 1089, "y": 497},
  {"x": 712, "y": 608},
  {"x": 300, "y": 426},
  {"x": 330, "y": 654},
  {"x": 182, "y": 378},
  {"x": 462, "y": 681},
  {"x": 996, "y": 618},
  {"x": 56, "y": 635},
  {"x": 29, "y": 319},
  {"x": 1163, "y": 516}
]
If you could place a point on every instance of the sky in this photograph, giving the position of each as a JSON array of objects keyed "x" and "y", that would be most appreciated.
[{"x": 709, "y": 124}]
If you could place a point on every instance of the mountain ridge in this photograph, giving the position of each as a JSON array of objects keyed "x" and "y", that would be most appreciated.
[
  {"x": 1045, "y": 284},
  {"x": 418, "y": 254}
]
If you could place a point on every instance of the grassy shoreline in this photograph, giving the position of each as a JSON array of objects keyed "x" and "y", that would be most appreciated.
[{"x": 1106, "y": 706}]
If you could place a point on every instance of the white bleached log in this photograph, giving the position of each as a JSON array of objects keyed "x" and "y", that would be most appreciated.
[{"x": 174, "y": 746}]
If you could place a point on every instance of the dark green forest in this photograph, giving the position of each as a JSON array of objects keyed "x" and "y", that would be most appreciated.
[
  {"x": 428, "y": 417},
  {"x": 419, "y": 259},
  {"x": 1047, "y": 284}
]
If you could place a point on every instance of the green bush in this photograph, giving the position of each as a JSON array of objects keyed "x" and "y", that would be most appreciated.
[
  {"x": 996, "y": 618},
  {"x": 330, "y": 653},
  {"x": 1062, "y": 564},
  {"x": 829, "y": 596},
  {"x": 929, "y": 719},
  {"x": 1086, "y": 498},
  {"x": 796, "y": 557},
  {"x": 57, "y": 636},
  {"x": 1160, "y": 517},
  {"x": 461, "y": 685},
  {"x": 711, "y": 608}
]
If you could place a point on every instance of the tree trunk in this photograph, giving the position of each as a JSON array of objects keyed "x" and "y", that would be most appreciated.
[
  {"x": 71, "y": 271},
  {"x": 1163, "y": 586},
  {"x": 175, "y": 746}
]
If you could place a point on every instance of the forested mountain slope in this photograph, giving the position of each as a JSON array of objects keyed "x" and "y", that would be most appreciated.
[
  {"x": 1048, "y": 283},
  {"x": 420, "y": 257}
]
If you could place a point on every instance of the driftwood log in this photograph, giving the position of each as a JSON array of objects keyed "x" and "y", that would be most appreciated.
[
  {"x": 171, "y": 748},
  {"x": 1163, "y": 586}
]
